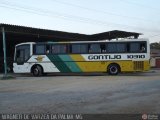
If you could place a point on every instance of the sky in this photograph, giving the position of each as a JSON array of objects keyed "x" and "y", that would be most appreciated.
[{"x": 85, "y": 16}]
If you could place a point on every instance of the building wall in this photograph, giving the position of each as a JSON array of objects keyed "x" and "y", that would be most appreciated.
[
  {"x": 153, "y": 62},
  {"x": 158, "y": 62}
]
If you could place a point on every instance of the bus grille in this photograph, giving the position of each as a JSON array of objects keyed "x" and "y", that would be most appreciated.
[{"x": 138, "y": 65}]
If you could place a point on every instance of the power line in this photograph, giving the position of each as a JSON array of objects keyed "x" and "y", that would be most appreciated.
[
  {"x": 104, "y": 12},
  {"x": 93, "y": 10},
  {"x": 64, "y": 16},
  {"x": 140, "y": 5}
]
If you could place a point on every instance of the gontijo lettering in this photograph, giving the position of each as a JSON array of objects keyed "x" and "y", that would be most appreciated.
[{"x": 103, "y": 57}]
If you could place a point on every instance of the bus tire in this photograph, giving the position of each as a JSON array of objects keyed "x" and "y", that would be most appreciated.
[
  {"x": 37, "y": 71},
  {"x": 113, "y": 69}
]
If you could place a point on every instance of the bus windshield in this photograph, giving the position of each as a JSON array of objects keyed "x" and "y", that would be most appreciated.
[{"x": 22, "y": 54}]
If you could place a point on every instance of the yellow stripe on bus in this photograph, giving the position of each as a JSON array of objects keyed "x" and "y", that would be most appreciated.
[
  {"x": 88, "y": 66},
  {"x": 101, "y": 66}
]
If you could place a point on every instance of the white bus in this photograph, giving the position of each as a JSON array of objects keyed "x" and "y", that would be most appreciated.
[{"x": 128, "y": 55}]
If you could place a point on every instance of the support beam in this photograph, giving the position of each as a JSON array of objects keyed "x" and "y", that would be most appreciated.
[{"x": 4, "y": 51}]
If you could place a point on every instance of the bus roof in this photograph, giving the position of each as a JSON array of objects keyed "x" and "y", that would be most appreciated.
[
  {"x": 122, "y": 40},
  {"x": 25, "y": 43}
]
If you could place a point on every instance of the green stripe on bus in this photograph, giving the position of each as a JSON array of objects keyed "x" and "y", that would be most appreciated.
[
  {"x": 71, "y": 64},
  {"x": 56, "y": 60}
]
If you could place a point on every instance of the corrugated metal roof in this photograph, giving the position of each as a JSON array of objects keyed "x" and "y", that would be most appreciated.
[
  {"x": 15, "y": 29},
  {"x": 42, "y": 32},
  {"x": 115, "y": 34}
]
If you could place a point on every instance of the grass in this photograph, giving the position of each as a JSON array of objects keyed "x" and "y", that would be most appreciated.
[{"x": 8, "y": 77}]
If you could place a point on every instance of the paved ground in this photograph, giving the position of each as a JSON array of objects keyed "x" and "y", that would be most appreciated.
[{"x": 125, "y": 93}]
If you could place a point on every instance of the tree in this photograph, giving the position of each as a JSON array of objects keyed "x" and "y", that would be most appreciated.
[{"x": 155, "y": 45}]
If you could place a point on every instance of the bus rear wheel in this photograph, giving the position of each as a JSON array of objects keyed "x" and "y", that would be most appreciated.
[
  {"x": 113, "y": 69},
  {"x": 37, "y": 71}
]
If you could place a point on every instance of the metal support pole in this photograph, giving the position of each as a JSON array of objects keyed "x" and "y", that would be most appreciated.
[{"x": 4, "y": 51}]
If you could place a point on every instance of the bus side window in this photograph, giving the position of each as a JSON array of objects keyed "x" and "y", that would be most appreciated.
[
  {"x": 63, "y": 48},
  {"x": 127, "y": 48},
  {"x": 134, "y": 47},
  {"x": 79, "y": 48},
  {"x": 39, "y": 49},
  {"x": 47, "y": 49},
  {"x": 59, "y": 49},
  {"x": 94, "y": 48},
  {"x": 142, "y": 47},
  {"x": 138, "y": 47},
  {"x": 103, "y": 48},
  {"x": 53, "y": 49},
  {"x": 76, "y": 48}
]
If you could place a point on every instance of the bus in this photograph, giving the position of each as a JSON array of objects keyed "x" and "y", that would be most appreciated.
[{"x": 112, "y": 57}]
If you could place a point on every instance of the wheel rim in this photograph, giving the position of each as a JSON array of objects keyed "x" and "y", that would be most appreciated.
[
  {"x": 35, "y": 71},
  {"x": 113, "y": 69}
]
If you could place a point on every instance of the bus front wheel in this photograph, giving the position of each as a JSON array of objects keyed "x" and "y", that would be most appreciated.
[
  {"x": 37, "y": 71},
  {"x": 113, "y": 69}
]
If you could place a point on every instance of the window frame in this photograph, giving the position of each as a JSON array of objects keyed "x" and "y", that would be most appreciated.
[
  {"x": 34, "y": 49},
  {"x": 70, "y": 51},
  {"x": 140, "y": 42},
  {"x": 102, "y": 45},
  {"x": 66, "y": 52},
  {"x": 126, "y": 50},
  {"x": 89, "y": 45}
]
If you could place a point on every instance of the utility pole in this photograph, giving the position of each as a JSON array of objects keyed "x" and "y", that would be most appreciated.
[{"x": 4, "y": 51}]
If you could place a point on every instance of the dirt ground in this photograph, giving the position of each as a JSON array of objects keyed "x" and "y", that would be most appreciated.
[{"x": 126, "y": 93}]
